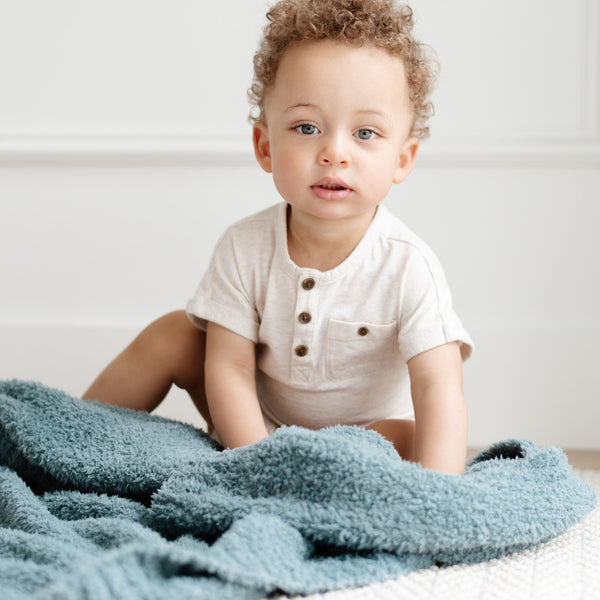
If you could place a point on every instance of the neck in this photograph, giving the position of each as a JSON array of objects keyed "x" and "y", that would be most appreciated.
[{"x": 322, "y": 244}]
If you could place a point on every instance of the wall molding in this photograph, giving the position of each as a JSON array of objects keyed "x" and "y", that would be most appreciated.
[
  {"x": 580, "y": 147},
  {"x": 123, "y": 149},
  {"x": 237, "y": 150},
  {"x": 577, "y": 154}
]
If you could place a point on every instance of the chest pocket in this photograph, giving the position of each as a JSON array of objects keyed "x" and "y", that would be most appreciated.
[{"x": 361, "y": 348}]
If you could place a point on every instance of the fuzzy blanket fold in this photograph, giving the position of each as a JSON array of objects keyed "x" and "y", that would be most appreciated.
[{"x": 105, "y": 503}]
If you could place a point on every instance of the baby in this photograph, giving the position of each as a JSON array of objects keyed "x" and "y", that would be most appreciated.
[{"x": 324, "y": 309}]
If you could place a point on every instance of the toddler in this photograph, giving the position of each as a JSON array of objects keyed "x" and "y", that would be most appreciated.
[{"x": 324, "y": 309}]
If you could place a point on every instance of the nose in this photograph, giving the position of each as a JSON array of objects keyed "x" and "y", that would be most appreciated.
[{"x": 333, "y": 152}]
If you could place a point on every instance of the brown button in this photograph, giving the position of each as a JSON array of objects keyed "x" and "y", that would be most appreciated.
[
  {"x": 304, "y": 317},
  {"x": 363, "y": 330},
  {"x": 301, "y": 350},
  {"x": 308, "y": 283}
]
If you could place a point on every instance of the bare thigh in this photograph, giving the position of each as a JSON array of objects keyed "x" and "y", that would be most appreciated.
[
  {"x": 169, "y": 351},
  {"x": 401, "y": 432}
]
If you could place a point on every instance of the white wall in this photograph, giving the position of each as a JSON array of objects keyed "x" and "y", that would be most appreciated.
[{"x": 124, "y": 152}]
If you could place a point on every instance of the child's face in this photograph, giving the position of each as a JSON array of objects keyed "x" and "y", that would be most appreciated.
[{"x": 336, "y": 132}]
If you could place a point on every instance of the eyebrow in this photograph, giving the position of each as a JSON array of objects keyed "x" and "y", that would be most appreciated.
[
  {"x": 364, "y": 111},
  {"x": 301, "y": 105},
  {"x": 373, "y": 111}
]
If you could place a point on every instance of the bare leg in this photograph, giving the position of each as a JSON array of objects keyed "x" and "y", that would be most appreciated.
[
  {"x": 401, "y": 433},
  {"x": 169, "y": 351}
]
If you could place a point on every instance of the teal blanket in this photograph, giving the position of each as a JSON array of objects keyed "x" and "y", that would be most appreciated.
[{"x": 106, "y": 503}]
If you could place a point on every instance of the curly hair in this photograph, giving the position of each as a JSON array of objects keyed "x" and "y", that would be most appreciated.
[{"x": 379, "y": 23}]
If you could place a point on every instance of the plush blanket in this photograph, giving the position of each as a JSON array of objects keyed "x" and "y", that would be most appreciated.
[{"x": 101, "y": 502}]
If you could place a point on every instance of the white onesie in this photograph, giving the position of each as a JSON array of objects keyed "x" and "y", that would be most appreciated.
[{"x": 331, "y": 347}]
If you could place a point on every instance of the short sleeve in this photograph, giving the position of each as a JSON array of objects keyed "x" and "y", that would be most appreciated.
[
  {"x": 222, "y": 296},
  {"x": 427, "y": 318}
]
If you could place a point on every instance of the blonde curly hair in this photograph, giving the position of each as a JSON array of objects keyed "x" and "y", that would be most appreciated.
[{"x": 380, "y": 23}]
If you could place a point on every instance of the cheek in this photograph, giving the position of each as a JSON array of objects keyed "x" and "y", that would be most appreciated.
[
  {"x": 380, "y": 173},
  {"x": 289, "y": 169}
]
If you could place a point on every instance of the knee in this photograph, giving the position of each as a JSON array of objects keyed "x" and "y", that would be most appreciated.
[
  {"x": 179, "y": 346},
  {"x": 401, "y": 432}
]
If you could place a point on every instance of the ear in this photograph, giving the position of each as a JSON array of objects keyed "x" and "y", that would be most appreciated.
[
  {"x": 262, "y": 147},
  {"x": 406, "y": 159}
]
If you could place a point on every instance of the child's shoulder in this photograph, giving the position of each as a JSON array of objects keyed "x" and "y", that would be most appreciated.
[
  {"x": 257, "y": 223},
  {"x": 394, "y": 232},
  {"x": 404, "y": 249},
  {"x": 253, "y": 236}
]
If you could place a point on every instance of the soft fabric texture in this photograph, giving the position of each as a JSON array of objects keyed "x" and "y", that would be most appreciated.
[
  {"x": 565, "y": 568},
  {"x": 101, "y": 502},
  {"x": 328, "y": 340}
]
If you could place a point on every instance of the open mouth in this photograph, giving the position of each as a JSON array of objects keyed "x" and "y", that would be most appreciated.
[
  {"x": 331, "y": 190},
  {"x": 332, "y": 186}
]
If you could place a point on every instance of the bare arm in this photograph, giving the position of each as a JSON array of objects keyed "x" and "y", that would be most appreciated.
[
  {"x": 440, "y": 409},
  {"x": 231, "y": 387}
]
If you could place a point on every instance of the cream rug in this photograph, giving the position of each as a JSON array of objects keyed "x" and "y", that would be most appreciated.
[{"x": 565, "y": 568}]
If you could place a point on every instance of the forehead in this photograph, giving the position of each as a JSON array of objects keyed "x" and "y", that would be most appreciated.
[{"x": 329, "y": 69}]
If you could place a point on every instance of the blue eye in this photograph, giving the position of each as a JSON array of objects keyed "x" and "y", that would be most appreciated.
[
  {"x": 307, "y": 129},
  {"x": 365, "y": 134}
]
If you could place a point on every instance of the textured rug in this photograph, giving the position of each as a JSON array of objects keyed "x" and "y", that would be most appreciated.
[{"x": 102, "y": 502}]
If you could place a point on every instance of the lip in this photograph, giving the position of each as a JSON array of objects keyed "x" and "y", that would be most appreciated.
[{"x": 331, "y": 188}]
